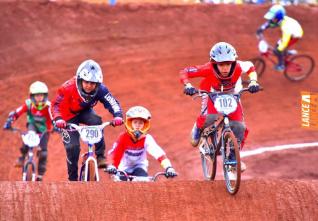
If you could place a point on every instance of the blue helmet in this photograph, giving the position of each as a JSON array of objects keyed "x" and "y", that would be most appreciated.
[{"x": 277, "y": 12}]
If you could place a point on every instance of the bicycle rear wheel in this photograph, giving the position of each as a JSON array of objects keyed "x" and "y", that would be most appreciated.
[
  {"x": 260, "y": 65},
  {"x": 208, "y": 158},
  {"x": 299, "y": 67},
  {"x": 231, "y": 168}
]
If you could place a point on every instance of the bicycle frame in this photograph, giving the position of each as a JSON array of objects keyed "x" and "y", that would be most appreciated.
[{"x": 90, "y": 135}]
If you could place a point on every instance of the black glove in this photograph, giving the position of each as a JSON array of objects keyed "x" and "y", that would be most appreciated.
[
  {"x": 111, "y": 169},
  {"x": 189, "y": 89},
  {"x": 253, "y": 87},
  {"x": 170, "y": 172}
]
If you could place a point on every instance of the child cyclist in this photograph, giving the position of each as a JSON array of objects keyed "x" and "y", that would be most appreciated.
[
  {"x": 129, "y": 152},
  {"x": 38, "y": 120},
  {"x": 290, "y": 28},
  {"x": 74, "y": 103},
  {"x": 222, "y": 73}
]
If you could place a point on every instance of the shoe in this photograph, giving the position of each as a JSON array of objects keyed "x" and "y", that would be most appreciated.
[
  {"x": 195, "y": 135},
  {"x": 280, "y": 68},
  {"x": 39, "y": 178},
  {"x": 19, "y": 162},
  {"x": 101, "y": 162}
]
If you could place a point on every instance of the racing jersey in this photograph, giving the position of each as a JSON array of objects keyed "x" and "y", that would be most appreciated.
[
  {"x": 290, "y": 28},
  {"x": 68, "y": 102},
  {"x": 128, "y": 155},
  {"x": 41, "y": 119},
  {"x": 211, "y": 83}
]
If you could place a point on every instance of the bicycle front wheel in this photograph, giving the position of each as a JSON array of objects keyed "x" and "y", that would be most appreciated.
[
  {"x": 299, "y": 67},
  {"x": 208, "y": 158},
  {"x": 91, "y": 171},
  {"x": 28, "y": 172},
  {"x": 231, "y": 164}
]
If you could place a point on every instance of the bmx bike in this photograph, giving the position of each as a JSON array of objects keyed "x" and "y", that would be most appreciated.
[
  {"x": 31, "y": 140},
  {"x": 297, "y": 66},
  {"x": 89, "y": 135},
  {"x": 122, "y": 176},
  {"x": 219, "y": 139}
]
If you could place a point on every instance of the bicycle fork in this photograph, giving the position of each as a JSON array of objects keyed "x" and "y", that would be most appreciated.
[{"x": 91, "y": 158}]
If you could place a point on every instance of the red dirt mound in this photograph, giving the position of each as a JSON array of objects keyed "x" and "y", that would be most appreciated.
[{"x": 141, "y": 49}]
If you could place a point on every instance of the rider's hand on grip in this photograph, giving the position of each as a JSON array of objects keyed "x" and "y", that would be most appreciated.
[
  {"x": 170, "y": 172},
  {"x": 189, "y": 89},
  {"x": 111, "y": 169},
  {"x": 253, "y": 87},
  {"x": 7, "y": 125},
  {"x": 60, "y": 123},
  {"x": 117, "y": 121}
]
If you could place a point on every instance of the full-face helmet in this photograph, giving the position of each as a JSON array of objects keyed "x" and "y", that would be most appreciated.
[
  {"x": 275, "y": 14},
  {"x": 137, "y": 112},
  {"x": 90, "y": 71},
  {"x": 38, "y": 87},
  {"x": 223, "y": 52}
]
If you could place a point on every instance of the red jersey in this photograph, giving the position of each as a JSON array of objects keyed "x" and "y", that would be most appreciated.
[
  {"x": 68, "y": 102},
  {"x": 128, "y": 155},
  {"x": 210, "y": 81},
  {"x": 41, "y": 119}
]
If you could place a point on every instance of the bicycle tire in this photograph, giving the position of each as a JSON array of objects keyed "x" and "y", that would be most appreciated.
[
  {"x": 260, "y": 65},
  {"x": 299, "y": 67},
  {"x": 91, "y": 171},
  {"x": 209, "y": 159},
  {"x": 28, "y": 170},
  {"x": 232, "y": 183}
]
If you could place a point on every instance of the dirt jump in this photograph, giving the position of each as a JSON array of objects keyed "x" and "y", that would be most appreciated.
[{"x": 141, "y": 49}]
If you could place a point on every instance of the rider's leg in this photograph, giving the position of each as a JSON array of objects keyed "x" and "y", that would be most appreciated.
[
  {"x": 72, "y": 147},
  {"x": 89, "y": 117},
  {"x": 42, "y": 155}
]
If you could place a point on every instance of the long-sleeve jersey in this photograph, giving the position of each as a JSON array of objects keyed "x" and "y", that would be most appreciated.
[
  {"x": 41, "y": 119},
  {"x": 210, "y": 82},
  {"x": 128, "y": 155},
  {"x": 290, "y": 28},
  {"x": 68, "y": 102}
]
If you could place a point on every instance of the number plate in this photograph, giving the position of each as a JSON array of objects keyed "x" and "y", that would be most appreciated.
[
  {"x": 91, "y": 135},
  {"x": 225, "y": 104},
  {"x": 31, "y": 139}
]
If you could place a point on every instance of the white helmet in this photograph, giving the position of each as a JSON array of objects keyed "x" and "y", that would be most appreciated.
[
  {"x": 88, "y": 70},
  {"x": 134, "y": 113},
  {"x": 222, "y": 52},
  {"x": 38, "y": 87}
]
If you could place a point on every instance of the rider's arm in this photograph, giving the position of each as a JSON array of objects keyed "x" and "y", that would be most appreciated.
[
  {"x": 262, "y": 28},
  {"x": 109, "y": 101},
  {"x": 59, "y": 103},
  {"x": 117, "y": 151},
  {"x": 286, "y": 36},
  {"x": 249, "y": 69},
  {"x": 157, "y": 152},
  {"x": 19, "y": 111},
  {"x": 193, "y": 72}
]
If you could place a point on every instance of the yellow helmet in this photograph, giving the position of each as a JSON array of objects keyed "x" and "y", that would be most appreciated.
[{"x": 140, "y": 113}]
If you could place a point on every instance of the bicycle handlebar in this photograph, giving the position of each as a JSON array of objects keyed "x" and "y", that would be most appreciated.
[
  {"x": 141, "y": 178},
  {"x": 72, "y": 126}
]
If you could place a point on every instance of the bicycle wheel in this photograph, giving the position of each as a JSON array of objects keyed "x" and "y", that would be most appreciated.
[
  {"x": 260, "y": 65},
  {"x": 28, "y": 172},
  {"x": 299, "y": 67},
  {"x": 91, "y": 171},
  {"x": 208, "y": 158},
  {"x": 231, "y": 168}
]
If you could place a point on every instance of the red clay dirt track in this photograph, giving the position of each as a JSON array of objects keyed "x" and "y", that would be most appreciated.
[{"x": 141, "y": 49}]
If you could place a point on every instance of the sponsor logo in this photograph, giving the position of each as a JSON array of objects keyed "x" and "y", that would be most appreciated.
[
  {"x": 309, "y": 110},
  {"x": 112, "y": 101}
]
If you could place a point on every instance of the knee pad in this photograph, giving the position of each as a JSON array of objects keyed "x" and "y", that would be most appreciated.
[{"x": 42, "y": 154}]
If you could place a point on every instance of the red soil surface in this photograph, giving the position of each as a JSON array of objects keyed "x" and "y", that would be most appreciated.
[{"x": 141, "y": 49}]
